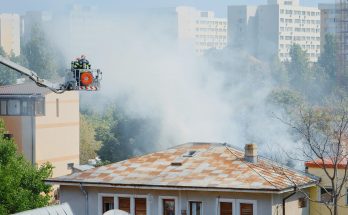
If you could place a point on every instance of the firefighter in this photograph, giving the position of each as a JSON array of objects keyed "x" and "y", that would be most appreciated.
[{"x": 84, "y": 63}]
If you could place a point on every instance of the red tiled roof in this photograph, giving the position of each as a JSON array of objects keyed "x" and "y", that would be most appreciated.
[
  {"x": 28, "y": 88},
  {"x": 214, "y": 166},
  {"x": 327, "y": 163}
]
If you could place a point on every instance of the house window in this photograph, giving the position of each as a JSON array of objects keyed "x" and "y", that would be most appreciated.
[
  {"x": 40, "y": 107},
  {"x": 14, "y": 107},
  {"x": 226, "y": 208},
  {"x": 108, "y": 203},
  {"x": 325, "y": 195},
  {"x": 3, "y": 107},
  {"x": 57, "y": 107},
  {"x": 196, "y": 208},
  {"x": 302, "y": 203},
  {"x": 140, "y": 206},
  {"x": 168, "y": 207},
  {"x": 246, "y": 209},
  {"x": 124, "y": 204},
  {"x": 347, "y": 197}
]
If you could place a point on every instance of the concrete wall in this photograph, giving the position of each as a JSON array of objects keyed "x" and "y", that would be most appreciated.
[
  {"x": 10, "y": 33},
  {"x": 57, "y": 133},
  {"x": 265, "y": 203}
]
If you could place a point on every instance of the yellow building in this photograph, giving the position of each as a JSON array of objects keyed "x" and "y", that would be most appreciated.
[
  {"x": 45, "y": 125},
  {"x": 10, "y": 33},
  {"x": 318, "y": 193}
]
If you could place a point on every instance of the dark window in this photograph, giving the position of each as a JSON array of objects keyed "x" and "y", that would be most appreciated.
[
  {"x": 140, "y": 206},
  {"x": 124, "y": 204},
  {"x": 40, "y": 107},
  {"x": 108, "y": 203},
  {"x": 246, "y": 209},
  {"x": 347, "y": 197},
  {"x": 326, "y": 195},
  {"x": 195, "y": 208},
  {"x": 14, "y": 107},
  {"x": 3, "y": 107},
  {"x": 302, "y": 203},
  {"x": 168, "y": 207},
  {"x": 226, "y": 208}
]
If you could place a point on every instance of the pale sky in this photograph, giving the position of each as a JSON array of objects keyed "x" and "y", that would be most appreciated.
[{"x": 219, "y": 6}]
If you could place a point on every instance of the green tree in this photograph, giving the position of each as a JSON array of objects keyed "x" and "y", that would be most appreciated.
[
  {"x": 42, "y": 55},
  {"x": 279, "y": 72},
  {"x": 327, "y": 59},
  {"x": 22, "y": 186},
  {"x": 7, "y": 76},
  {"x": 298, "y": 69},
  {"x": 88, "y": 144}
]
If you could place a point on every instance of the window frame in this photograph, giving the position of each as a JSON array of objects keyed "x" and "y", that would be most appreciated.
[
  {"x": 196, "y": 201},
  {"x": 236, "y": 204},
  {"x": 100, "y": 201},
  {"x": 160, "y": 204}
]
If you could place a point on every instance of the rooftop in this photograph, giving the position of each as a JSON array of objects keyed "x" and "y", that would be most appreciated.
[
  {"x": 328, "y": 163},
  {"x": 208, "y": 166},
  {"x": 28, "y": 88}
]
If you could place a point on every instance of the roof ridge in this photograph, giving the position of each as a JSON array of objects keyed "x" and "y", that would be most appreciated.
[{"x": 246, "y": 163}]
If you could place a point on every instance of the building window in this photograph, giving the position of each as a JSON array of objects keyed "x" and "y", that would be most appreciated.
[
  {"x": 124, "y": 204},
  {"x": 196, "y": 208},
  {"x": 302, "y": 203},
  {"x": 140, "y": 206},
  {"x": 226, "y": 208},
  {"x": 326, "y": 195},
  {"x": 246, "y": 209},
  {"x": 57, "y": 107},
  {"x": 3, "y": 107},
  {"x": 40, "y": 107},
  {"x": 168, "y": 207},
  {"x": 108, "y": 203}
]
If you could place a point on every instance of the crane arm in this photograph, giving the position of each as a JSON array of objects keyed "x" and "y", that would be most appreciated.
[{"x": 32, "y": 75}]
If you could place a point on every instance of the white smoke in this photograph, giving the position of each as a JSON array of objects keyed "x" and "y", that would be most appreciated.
[{"x": 158, "y": 77}]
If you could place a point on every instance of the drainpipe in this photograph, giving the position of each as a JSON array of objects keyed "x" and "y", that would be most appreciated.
[
  {"x": 285, "y": 198},
  {"x": 86, "y": 198}
]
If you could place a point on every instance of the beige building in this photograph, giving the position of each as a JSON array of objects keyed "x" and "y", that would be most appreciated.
[
  {"x": 276, "y": 27},
  {"x": 10, "y": 33},
  {"x": 201, "y": 28},
  {"x": 190, "y": 179},
  {"x": 45, "y": 125},
  {"x": 319, "y": 194}
]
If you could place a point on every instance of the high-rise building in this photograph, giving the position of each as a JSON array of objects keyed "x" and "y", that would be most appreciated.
[
  {"x": 10, "y": 33},
  {"x": 201, "y": 28},
  {"x": 275, "y": 27},
  {"x": 327, "y": 21},
  {"x": 31, "y": 19}
]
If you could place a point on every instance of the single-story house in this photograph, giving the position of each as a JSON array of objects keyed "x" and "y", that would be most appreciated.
[{"x": 190, "y": 179}]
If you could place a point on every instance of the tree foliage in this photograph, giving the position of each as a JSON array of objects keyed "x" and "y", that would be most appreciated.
[
  {"x": 8, "y": 76},
  {"x": 42, "y": 56},
  {"x": 88, "y": 144},
  {"x": 21, "y": 184}
]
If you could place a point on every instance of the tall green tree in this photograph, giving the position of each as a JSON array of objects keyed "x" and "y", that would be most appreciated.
[
  {"x": 41, "y": 54},
  {"x": 327, "y": 59},
  {"x": 88, "y": 144},
  {"x": 21, "y": 184},
  {"x": 298, "y": 68},
  {"x": 7, "y": 76}
]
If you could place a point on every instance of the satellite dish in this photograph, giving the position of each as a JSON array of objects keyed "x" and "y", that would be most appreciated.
[{"x": 115, "y": 212}]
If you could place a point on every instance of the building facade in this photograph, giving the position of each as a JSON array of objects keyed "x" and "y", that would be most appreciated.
[
  {"x": 10, "y": 33},
  {"x": 31, "y": 19},
  {"x": 201, "y": 28},
  {"x": 276, "y": 27},
  {"x": 319, "y": 194},
  {"x": 45, "y": 125},
  {"x": 190, "y": 179},
  {"x": 327, "y": 21}
]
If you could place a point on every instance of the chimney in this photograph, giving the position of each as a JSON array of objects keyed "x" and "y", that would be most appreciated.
[{"x": 250, "y": 153}]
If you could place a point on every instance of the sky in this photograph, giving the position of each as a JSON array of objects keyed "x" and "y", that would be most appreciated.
[{"x": 219, "y": 6}]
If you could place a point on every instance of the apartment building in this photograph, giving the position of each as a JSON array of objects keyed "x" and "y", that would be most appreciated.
[
  {"x": 31, "y": 19},
  {"x": 275, "y": 27},
  {"x": 45, "y": 125},
  {"x": 201, "y": 28},
  {"x": 10, "y": 33}
]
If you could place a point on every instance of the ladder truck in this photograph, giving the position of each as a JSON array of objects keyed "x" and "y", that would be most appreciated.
[{"x": 80, "y": 77}]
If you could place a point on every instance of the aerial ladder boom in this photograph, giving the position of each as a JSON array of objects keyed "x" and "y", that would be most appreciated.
[{"x": 78, "y": 78}]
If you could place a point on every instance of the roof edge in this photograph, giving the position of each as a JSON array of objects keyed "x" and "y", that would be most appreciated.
[{"x": 165, "y": 187}]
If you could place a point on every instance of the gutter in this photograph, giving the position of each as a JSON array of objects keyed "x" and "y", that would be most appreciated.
[
  {"x": 287, "y": 197},
  {"x": 85, "y": 193},
  {"x": 165, "y": 187}
]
